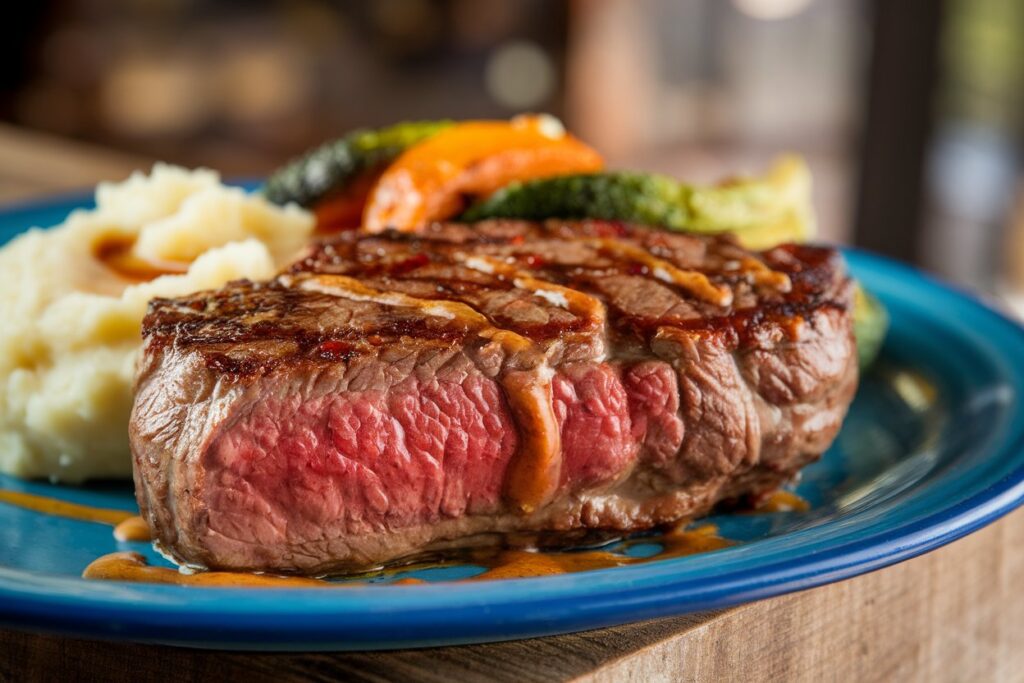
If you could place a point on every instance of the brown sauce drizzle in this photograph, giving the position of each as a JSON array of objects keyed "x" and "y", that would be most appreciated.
[
  {"x": 576, "y": 302},
  {"x": 517, "y": 564},
  {"x": 117, "y": 253},
  {"x": 693, "y": 281},
  {"x": 498, "y": 564},
  {"x": 350, "y": 288},
  {"x": 127, "y": 525},
  {"x": 783, "y": 501},
  {"x": 762, "y": 275},
  {"x": 533, "y": 475},
  {"x": 130, "y": 566},
  {"x": 133, "y": 529},
  {"x": 60, "y": 508}
]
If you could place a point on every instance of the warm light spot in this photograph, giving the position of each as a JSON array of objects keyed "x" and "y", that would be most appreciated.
[
  {"x": 520, "y": 75},
  {"x": 771, "y": 9}
]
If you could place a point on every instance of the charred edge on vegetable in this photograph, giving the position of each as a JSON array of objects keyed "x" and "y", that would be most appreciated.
[{"x": 334, "y": 165}]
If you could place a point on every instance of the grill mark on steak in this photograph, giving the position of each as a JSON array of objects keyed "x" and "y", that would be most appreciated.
[
  {"x": 693, "y": 282},
  {"x": 594, "y": 258},
  {"x": 393, "y": 392}
]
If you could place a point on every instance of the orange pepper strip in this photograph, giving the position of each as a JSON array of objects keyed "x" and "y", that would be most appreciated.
[{"x": 430, "y": 180}]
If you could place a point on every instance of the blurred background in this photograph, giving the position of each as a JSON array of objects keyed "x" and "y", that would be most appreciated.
[{"x": 910, "y": 113}]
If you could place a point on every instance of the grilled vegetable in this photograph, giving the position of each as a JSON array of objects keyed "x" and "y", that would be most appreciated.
[
  {"x": 634, "y": 197},
  {"x": 764, "y": 211},
  {"x": 332, "y": 167},
  {"x": 870, "y": 323},
  {"x": 430, "y": 180},
  {"x": 761, "y": 211}
]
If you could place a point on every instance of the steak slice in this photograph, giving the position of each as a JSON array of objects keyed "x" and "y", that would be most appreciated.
[{"x": 395, "y": 393}]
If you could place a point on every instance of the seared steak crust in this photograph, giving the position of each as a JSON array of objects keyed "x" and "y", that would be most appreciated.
[{"x": 393, "y": 393}]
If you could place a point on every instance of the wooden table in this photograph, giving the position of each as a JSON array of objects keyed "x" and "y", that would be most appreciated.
[{"x": 956, "y": 614}]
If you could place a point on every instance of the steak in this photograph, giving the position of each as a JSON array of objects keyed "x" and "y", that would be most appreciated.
[{"x": 394, "y": 393}]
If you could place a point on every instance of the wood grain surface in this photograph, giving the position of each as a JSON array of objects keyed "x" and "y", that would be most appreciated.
[
  {"x": 32, "y": 165},
  {"x": 956, "y": 614}
]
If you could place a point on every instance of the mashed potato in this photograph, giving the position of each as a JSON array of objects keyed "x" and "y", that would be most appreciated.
[{"x": 71, "y": 321}]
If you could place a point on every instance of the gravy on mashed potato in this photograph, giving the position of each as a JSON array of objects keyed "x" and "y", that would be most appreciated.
[{"x": 72, "y": 300}]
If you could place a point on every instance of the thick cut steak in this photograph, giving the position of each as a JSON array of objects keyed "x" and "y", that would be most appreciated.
[{"x": 397, "y": 393}]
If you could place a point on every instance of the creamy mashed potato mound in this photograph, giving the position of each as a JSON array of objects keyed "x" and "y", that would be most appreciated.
[{"x": 70, "y": 328}]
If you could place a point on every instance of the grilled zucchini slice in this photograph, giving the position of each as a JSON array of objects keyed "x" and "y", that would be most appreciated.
[
  {"x": 761, "y": 211},
  {"x": 333, "y": 166},
  {"x": 634, "y": 197}
]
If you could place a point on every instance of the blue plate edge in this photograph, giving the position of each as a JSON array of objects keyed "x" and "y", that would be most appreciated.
[{"x": 928, "y": 533}]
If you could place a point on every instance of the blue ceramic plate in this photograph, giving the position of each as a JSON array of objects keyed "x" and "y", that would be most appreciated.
[{"x": 932, "y": 450}]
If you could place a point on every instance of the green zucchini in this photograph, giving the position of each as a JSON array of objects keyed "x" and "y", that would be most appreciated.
[
  {"x": 761, "y": 211},
  {"x": 334, "y": 165},
  {"x": 635, "y": 197}
]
